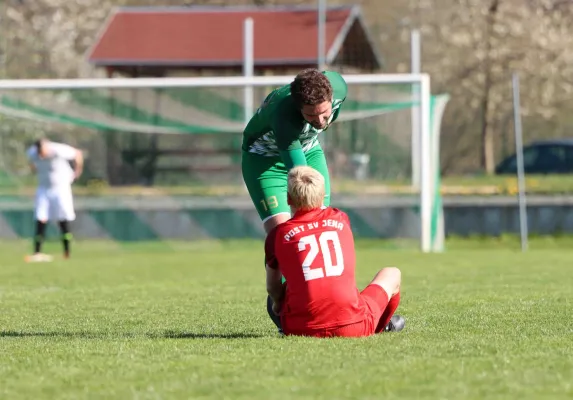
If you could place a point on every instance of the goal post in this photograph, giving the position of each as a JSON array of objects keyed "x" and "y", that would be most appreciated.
[{"x": 375, "y": 102}]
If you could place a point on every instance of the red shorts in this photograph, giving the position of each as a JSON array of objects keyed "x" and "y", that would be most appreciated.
[{"x": 376, "y": 301}]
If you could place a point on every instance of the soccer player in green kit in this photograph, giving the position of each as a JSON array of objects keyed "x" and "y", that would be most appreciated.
[{"x": 283, "y": 134}]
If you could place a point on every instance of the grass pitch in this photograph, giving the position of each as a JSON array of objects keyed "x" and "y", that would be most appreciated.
[{"x": 188, "y": 320}]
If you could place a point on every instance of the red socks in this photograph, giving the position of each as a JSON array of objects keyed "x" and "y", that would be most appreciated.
[{"x": 388, "y": 312}]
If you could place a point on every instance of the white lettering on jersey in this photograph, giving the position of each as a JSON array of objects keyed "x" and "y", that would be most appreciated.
[
  {"x": 332, "y": 223},
  {"x": 333, "y": 266}
]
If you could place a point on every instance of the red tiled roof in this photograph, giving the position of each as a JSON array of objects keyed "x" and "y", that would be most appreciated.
[{"x": 207, "y": 37}]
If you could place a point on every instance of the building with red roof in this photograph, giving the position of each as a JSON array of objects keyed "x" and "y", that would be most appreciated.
[{"x": 161, "y": 41}]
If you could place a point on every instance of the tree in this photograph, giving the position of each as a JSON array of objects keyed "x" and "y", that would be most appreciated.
[{"x": 470, "y": 47}]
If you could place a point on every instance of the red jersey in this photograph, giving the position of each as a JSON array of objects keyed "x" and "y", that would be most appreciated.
[{"x": 314, "y": 251}]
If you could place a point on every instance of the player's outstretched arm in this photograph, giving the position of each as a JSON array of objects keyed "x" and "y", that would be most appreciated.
[
  {"x": 31, "y": 153},
  {"x": 70, "y": 153},
  {"x": 275, "y": 287},
  {"x": 79, "y": 163},
  {"x": 293, "y": 158},
  {"x": 288, "y": 143}
]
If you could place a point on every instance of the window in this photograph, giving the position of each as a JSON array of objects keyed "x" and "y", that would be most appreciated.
[
  {"x": 529, "y": 159},
  {"x": 551, "y": 159}
]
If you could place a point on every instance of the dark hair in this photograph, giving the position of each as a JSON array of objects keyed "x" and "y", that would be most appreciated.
[
  {"x": 310, "y": 87},
  {"x": 39, "y": 144}
]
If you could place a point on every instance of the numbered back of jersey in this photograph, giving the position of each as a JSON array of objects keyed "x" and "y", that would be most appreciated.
[{"x": 320, "y": 248}]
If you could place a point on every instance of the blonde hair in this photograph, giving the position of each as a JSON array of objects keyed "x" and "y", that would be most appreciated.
[{"x": 305, "y": 188}]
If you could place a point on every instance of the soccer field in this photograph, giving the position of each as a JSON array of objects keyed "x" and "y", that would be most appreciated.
[{"x": 188, "y": 320}]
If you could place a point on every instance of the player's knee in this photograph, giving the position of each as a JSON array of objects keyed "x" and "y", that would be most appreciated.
[
  {"x": 395, "y": 277},
  {"x": 390, "y": 279}
]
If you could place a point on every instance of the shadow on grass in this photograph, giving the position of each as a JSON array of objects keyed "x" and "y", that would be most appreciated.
[
  {"x": 154, "y": 335},
  {"x": 193, "y": 335}
]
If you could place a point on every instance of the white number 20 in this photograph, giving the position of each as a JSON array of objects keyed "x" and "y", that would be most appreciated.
[{"x": 331, "y": 268}]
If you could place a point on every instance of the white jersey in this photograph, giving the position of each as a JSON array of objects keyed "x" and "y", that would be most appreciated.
[{"x": 54, "y": 170}]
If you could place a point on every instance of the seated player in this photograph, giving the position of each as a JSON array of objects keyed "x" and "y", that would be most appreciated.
[
  {"x": 315, "y": 252},
  {"x": 54, "y": 200}
]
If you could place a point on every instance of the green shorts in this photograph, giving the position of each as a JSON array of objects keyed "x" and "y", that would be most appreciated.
[{"x": 266, "y": 180}]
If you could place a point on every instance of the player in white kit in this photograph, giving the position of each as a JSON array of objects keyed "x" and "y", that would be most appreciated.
[{"x": 54, "y": 200}]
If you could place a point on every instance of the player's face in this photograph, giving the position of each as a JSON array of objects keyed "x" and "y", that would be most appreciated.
[{"x": 317, "y": 115}]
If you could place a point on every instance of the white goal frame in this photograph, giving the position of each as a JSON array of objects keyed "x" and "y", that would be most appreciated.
[{"x": 429, "y": 171}]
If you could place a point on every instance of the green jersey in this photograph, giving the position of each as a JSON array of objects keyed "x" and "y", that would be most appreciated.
[{"x": 278, "y": 128}]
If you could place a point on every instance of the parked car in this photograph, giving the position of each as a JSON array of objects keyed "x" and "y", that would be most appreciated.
[{"x": 542, "y": 157}]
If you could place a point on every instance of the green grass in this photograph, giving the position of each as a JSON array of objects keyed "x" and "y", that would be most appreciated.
[{"x": 187, "y": 320}]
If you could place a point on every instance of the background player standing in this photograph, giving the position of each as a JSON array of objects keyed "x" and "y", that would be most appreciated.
[
  {"x": 54, "y": 199},
  {"x": 314, "y": 251}
]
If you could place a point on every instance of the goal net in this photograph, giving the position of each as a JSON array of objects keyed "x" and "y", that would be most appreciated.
[{"x": 184, "y": 135}]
